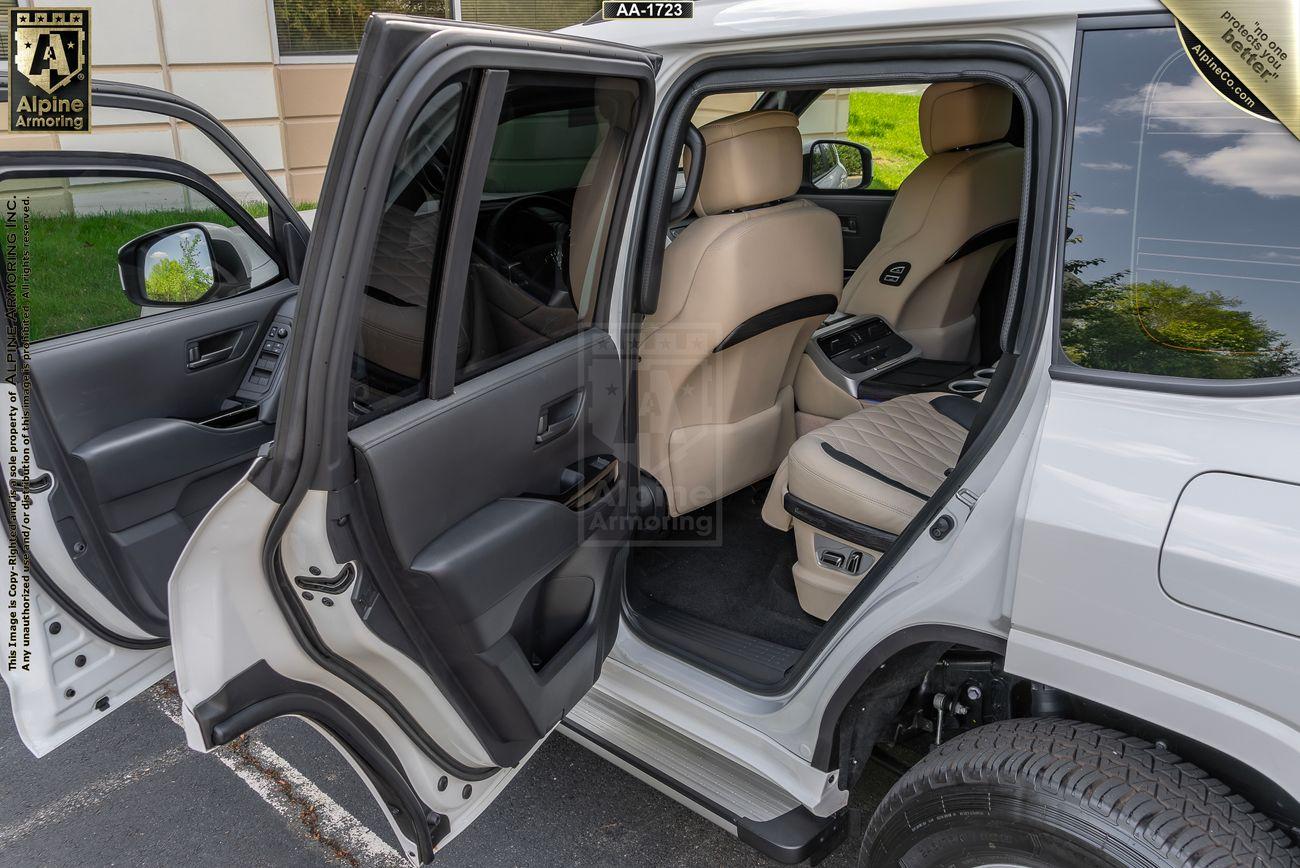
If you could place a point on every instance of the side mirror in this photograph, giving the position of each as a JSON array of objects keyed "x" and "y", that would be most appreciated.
[
  {"x": 181, "y": 265},
  {"x": 834, "y": 164}
]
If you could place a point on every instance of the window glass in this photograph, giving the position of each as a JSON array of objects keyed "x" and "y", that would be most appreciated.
[
  {"x": 1183, "y": 258},
  {"x": 882, "y": 118},
  {"x": 720, "y": 105},
  {"x": 390, "y": 362},
  {"x": 76, "y": 227},
  {"x": 321, "y": 27},
  {"x": 540, "y": 234},
  {"x": 546, "y": 212}
]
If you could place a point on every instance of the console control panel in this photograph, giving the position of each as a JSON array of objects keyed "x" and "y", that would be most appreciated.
[
  {"x": 863, "y": 345},
  {"x": 849, "y": 350}
]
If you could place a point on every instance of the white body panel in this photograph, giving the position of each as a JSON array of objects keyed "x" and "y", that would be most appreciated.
[
  {"x": 1231, "y": 549},
  {"x": 40, "y": 667},
  {"x": 224, "y": 619},
  {"x": 1090, "y": 614}
]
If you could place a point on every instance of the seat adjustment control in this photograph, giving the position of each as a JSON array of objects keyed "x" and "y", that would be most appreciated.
[{"x": 834, "y": 560}]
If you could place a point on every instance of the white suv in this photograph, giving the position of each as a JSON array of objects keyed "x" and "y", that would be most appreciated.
[{"x": 580, "y": 407}]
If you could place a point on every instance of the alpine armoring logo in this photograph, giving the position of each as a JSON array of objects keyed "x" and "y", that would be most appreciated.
[{"x": 49, "y": 70}]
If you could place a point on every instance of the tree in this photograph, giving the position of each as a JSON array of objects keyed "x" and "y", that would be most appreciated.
[
  {"x": 175, "y": 281},
  {"x": 1157, "y": 327}
]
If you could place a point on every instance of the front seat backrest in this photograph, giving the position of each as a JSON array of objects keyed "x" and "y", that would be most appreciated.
[
  {"x": 950, "y": 219},
  {"x": 743, "y": 287}
]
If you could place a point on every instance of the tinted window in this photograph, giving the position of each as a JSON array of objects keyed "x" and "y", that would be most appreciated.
[
  {"x": 543, "y": 224},
  {"x": 1183, "y": 258},
  {"x": 547, "y": 208},
  {"x": 390, "y": 362}
]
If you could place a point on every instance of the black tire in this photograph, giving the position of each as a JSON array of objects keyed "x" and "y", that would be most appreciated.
[{"x": 1047, "y": 793}]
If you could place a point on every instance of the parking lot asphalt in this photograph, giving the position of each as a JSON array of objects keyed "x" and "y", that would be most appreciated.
[{"x": 129, "y": 792}]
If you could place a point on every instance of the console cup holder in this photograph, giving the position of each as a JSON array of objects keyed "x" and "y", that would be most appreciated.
[
  {"x": 985, "y": 374},
  {"x": 968, "y": 387}
]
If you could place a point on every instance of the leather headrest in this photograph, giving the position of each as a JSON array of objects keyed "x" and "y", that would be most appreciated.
[
  {"x": 750, "y": 158},
  {"x": 959, "y": 114}
]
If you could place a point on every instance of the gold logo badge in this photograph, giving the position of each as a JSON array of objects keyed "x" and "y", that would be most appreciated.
[
  {"x": 1246, "y": 50},
  {"x": 49, "y": 70}
]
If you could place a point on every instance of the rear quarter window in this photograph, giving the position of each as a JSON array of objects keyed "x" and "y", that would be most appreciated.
[{"x": 1183, "y": 257}]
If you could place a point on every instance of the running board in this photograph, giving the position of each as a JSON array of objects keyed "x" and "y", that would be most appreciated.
[{"x": 739, "y": 800}]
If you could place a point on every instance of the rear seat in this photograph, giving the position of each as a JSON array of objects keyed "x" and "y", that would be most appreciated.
[{"x": 855, "y": 483}]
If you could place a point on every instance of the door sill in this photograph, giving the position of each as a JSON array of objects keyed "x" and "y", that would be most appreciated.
[{"x": 735, "y": 798}]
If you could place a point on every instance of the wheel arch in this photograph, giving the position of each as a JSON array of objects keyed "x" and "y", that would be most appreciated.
[{"x": 1105, "y": 701}]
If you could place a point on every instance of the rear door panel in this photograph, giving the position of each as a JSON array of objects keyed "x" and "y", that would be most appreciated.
[
  {"x": 501, "y": 578},
  {"x": 433, "y": 588}
]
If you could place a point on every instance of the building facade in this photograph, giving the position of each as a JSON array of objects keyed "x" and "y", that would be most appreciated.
[{"x": 274, "y": 71}]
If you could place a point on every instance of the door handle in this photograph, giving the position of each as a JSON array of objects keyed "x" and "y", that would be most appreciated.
[
  {"x": 558, "y": 417},
  {"x": 209, "y": 350},
  {"x": 197, "y": 360}
]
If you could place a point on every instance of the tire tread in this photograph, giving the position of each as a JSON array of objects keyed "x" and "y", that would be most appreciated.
[{"x": 1139, "y": 789}]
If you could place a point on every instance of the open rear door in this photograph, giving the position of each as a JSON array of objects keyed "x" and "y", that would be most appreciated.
[{"x": 427, "y": 564}]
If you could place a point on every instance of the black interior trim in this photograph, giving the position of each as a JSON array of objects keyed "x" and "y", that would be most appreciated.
[
  {"x": 958, "y": 408},
  {"x": 1006, "y": 231},
  {"x": 474, "y": 153},
  {"x": 849, "y": 461},
  {"x": 782, "y": 314},
  {"x": 78, "y": 614},
  {"x": 836, "y": 525},
  {"x": 694, "y": 144}
]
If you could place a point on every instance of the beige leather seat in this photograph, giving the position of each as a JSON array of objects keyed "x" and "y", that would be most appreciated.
[
  {"x": 742, "y": 289},
  {"x": 871, "y": 471},
  {"x": 950, "y": 219}
]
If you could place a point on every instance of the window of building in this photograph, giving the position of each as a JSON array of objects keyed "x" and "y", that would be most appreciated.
[
  {"x": 1182, "y": 258},
  {"x": 537, "y": 15},
  {"x": 325, "y": 27}
]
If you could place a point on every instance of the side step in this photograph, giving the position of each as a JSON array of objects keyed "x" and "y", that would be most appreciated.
[{"x": 744, "y": 803}]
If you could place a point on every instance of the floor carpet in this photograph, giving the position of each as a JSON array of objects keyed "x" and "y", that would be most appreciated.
[{"x": 722, "y": 564}]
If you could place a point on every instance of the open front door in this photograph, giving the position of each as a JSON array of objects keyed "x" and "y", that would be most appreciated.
[
  {"x": 428, "y": 563},
  {"x": 141, "y": 290}
]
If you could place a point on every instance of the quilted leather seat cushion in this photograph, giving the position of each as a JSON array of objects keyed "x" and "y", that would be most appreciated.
[{"x": 879, "y": 465}]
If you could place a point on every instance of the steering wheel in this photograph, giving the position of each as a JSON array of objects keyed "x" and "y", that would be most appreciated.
[{"x": 539, "y": 267}]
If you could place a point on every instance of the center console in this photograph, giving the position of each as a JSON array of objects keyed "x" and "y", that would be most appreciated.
[{"x": 851, "y": 349}]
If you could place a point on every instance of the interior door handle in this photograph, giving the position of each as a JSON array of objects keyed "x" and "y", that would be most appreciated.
[
  {"x": 558, "y": 417},
  {"x": 197, "y": 361},
  {"x": 209, "y": 350}
]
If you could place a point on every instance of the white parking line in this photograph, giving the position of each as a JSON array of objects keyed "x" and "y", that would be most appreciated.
[
  {"x": 78, "y": 803},
  {"x": 299, "y": 801}
]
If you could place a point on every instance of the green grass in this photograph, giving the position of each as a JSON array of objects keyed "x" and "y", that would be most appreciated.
[
  {"x": 886, "y": 123},
  {"x": 74, "y": 280}
]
